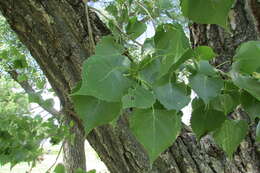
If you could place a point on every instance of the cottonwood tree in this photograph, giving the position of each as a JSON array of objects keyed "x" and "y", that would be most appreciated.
[{"x": 147, "y": 80}]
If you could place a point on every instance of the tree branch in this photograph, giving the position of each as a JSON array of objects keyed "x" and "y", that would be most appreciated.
[{"x": 29, "y": 90}]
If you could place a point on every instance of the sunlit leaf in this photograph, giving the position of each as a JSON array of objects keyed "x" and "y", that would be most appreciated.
[
  {"x": 204, "y": 53},
  {"x": 59, "y": 169}
]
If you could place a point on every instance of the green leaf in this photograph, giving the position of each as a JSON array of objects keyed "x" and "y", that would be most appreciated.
[
  {"x": 247, "y": 83},
  {"x": 22, "y": 77},
  {"x": 40, "y": 83},
  {"x": 124, "y": 16},
  {"x": 4, "y": 54},
  {"x": 92, "y": 171},
  {"x": 172, "y": 95},
  {"x": 72, "y": 123},
  {"x": 19, "y": 63},
  {"x": 112, "y": 9},
  {"x": 34, "y": 98},
  {"x": 103, "y": 77},
  {"x": 107, "y": 46},
  {"x": 95, "y": 112},
  {"x": 250, "y": 105},
  {"x": 170, "y": 43},
  {"x": 79, "y": 170},
  {"x": 204, "y": 53},
  {"x": 229, "y": 136},
  {"x": 207, "y": 11},
  {"x": 247, "y": 57},
  {"x": 156, "y": 130},
  {"x": 206, "y": 69},
  {"x": 258, "y": 132},
  {"x": 233, "y": 91},
  {"x": 206, "y": 87},
  {"x": 138, "y": 97},
  {"x": 187, "y": 55},
  {"x": 204, "y": 121},
  {"x": 151, "y": 72},
  {"x": 135, "y": 28},
  {"x": 59, "y": 168},
  {"x": 223, "y": 103},
  {"x": 49, "y": 103},
  {"x": 197, "y": 103},
  {"x": 164, "y": 4}
]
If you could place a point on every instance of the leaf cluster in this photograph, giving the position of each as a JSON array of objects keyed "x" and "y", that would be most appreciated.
[
  {"x": 21, "y": 134},
  {"x": 158, "y": 84}
]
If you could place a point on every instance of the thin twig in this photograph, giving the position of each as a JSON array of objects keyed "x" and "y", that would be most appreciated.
[
  {"x": 56, "y": 158},
  {"x": 223, "y": 63},
  {"x": 117, "y": 27},
  {"x": 29, "y": 90},
  {"x": 30, "y": 170},
  {"x": 148, "y": 13},
  {"x": 90, "y": 31}
]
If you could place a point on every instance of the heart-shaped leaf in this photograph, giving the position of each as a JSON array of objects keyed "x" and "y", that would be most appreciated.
[
  {"x": 207, "y": 11},
  {"x": 156, "y": 130},
  {"x": 95, "y": 112},
  {"x": 229, "y": 136},
  {"x": 170, "y": 43},
  {"x": 103, "y": 77},
  {"x": 204, "y": 121}
]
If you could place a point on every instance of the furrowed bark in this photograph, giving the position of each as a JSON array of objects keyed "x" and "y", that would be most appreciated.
[{"x": 56, "y": 33}]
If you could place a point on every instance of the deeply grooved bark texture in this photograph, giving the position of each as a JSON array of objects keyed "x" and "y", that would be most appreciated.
[{"x": 55, "y": 32}]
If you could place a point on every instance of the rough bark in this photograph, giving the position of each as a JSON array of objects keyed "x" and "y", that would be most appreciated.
[
  {"x": 55, "y": 32},
  {"x": 74, "y": 149}
]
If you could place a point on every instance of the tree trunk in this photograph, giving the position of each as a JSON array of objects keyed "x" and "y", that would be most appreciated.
[
  {"x": 74, "y": 149},
  {"x": 55, "y": 32}
]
